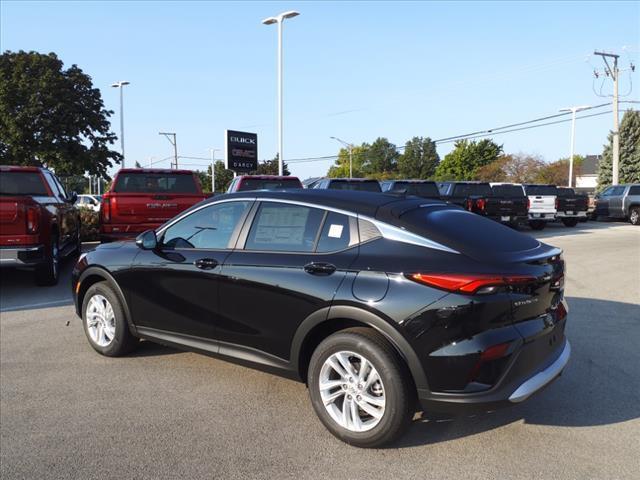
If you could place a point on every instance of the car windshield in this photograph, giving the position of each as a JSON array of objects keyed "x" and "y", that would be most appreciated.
[
  {"x": 268, "y": 183},
  {"x": 98, "y": 197},
  {"x": 365, "y": 186},
  {"x": 471, "y": 189},
  {"x": 22, "y": 183},
  {"x": 507, "y": 191},
  {"x": 426, "y": 189},
  {"x": 155, "y": 183},
  {"x": 541, "y": 190}
]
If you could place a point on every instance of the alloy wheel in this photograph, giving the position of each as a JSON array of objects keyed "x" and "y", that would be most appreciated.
[
  {"x": 100, "y": 320},
  {"x": 352, "y": 391}
]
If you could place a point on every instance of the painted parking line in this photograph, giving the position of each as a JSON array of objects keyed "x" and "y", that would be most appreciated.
[{"x": 57, "y": 303}]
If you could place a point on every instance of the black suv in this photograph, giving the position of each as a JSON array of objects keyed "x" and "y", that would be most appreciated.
[
  {"x": 360, "y": 184},
  {"x": 378, "y": 302}
]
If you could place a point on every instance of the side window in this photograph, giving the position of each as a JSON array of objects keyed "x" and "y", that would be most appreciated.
[
  {"x": 52, "y": 184},
  {"x": 617, "y": 191},
  {"x": 336, "y": 234},
  {"x": 606, "y": 192},
  {"x": 282, "y": 227},
  {"x": 208, "y": 228},
  {"x": 635, "y": 190},
  {"x": 63, "y": 193}
]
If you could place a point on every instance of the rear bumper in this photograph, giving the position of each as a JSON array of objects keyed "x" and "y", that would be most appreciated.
[
  {"x": 571, "y": 214},
  {"x": 21, "y": 256},
  {"x": 513, "y": 392},
  {"x": 117, "y": 232},
  {"x": 510, "y": 218},
  {"x": 545, "y": 216}
]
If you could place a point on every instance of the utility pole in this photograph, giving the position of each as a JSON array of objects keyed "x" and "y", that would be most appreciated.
[
  {"x": 213, "y": 169},
  {"x": 175, "y": 146},
  {"x": 614, "y": 73},
  {"x": 350, "y": 148}
]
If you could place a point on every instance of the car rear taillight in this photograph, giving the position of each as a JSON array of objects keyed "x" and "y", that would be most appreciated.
[
  {"x": 33, "y": 218},
  {"x": 105, "y": 209},
  {"x": 528, "y": 203},
  {"x": 556, "y": 203},
  {"x": 478, "y": 284},
  {"x": 469, "y": 204},
  {"x": 480, "y": 204}
]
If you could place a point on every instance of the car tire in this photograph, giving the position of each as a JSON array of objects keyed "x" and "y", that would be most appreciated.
[
  {"x": 634, "y": 216},
  {"x": 48, "y": 271},
  {"x": 570, "y": 222},
  {"x": 104, "y": 322},
  {"x": 537, "y": 224},
  {"x": 392, "y": 393}
]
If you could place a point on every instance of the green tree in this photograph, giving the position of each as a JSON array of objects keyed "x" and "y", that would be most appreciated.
[
  {"x": 381, "y": 158},
  {"x": 341, "y": 167},
  {"x": 629, "y": 167},
  {"x": 53, "y": 117},
  {"x": 557, "y": 173},
  {"x": 270, "y": 167},
  {"x": 223, "y": 177},
  {"x": 419, "y": 159},
  {"x": 463, "y": 162}
]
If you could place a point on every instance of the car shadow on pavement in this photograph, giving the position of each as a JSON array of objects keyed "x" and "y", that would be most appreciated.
[
  {"x": 150, "y": 349},
  {"x": 557, "y": 229},
  {"x": 600, "y": 385}
]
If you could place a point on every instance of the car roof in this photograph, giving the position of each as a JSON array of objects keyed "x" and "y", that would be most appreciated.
[
  {"x": 410, "y": 180},
  {"x": 154, "y": 170},
  {"x": 270, "y": 177},
  {"x": 20, "y": 168},
  {"x": 363, "y": 203}
]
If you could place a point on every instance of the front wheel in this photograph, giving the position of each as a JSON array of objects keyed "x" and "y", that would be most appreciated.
[
  {"x": 537, "y": 224},
  {"x": 104, "y": 322},
  {"x": 634, "y": 216},
  {"x": 360, "y": 388},
  {"x": 570, "y": 222}
]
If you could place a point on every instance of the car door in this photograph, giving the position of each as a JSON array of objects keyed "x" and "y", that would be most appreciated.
[
  {"x": 175, "y": 288},
  {"x": 615, "y": 201},
  {"x": 289, "y": 263}
]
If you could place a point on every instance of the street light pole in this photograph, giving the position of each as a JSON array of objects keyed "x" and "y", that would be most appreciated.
[
  {"x": 175, "y": 146},
  {"x": 119, "y": 85},
  {"x": 279, "y": 19},
  {"x": 350, "y": 147},
  {"x": 573, "y": 111}
]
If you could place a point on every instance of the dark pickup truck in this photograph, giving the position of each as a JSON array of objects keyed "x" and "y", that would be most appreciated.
[
  {"x": 571, "y": 207},
  {"x": 142, "y": 199},
  {"x": 39, "y": 224},
  {"x": 504, "y": 203},
  {"x": 419, "y": 188}
]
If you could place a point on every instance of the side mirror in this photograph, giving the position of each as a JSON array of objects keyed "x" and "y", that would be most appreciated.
[
  {"x": 147, "y": 240},
  {"x": 73, "y": 197}
]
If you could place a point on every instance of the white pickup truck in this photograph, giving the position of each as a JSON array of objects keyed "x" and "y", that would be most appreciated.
[{"x": 543, "y": 204}]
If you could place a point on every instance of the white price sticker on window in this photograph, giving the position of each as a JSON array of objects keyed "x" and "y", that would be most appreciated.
[{"x": 335, "y": 231}]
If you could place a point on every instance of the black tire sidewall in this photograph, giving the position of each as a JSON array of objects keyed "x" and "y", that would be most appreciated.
[
  {"x": 634, "y": 209},
  {"x": 570, "y": 222},
  {"x": 123, "y": 340},
  {"x": 537, "y": 224},
  {"x": 46, "y": 274},
  {"x": 394, "y": 379}
]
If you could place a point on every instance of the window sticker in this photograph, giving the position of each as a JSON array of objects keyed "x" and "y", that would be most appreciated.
[{"x": 335, "y": 231}]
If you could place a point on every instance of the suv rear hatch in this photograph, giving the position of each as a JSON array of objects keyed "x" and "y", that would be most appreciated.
[
  {"x": 268, "y": 183},
  {"x": 419, "y": 189},
  {"x": 365, "y": 185}
]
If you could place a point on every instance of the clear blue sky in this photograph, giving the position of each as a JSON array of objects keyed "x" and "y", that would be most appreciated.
[{"x": 356, "y": 70}]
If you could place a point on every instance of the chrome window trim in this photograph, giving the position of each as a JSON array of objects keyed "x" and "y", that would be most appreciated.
[{"x": 390, "y": 232}]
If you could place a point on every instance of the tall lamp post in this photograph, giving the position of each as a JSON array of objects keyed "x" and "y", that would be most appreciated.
[
  {"x": 120, "y": 85},
  {"x": 573, "y": 111},
  {"x": 279, "y": 19},
  {"x": 213, "y": 151},
  {"x": 350, "y": 147}
]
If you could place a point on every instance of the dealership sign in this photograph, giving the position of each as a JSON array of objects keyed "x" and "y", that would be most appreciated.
[{"x": 241, "y": 151}]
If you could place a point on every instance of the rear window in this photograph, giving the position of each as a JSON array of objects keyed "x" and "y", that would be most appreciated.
[
  {"x": 541, "y": 190},
  {"x": 471, "y": 189},
  {"x": 566, "y": 192},
  {"x": 416, "y": 188},
  {"x": 371, "y": 186},
  {"x": 507, "y": 191},
  {"x": 268, "y": 184},
  {"x": 155, "y": 183},
  {"x": 22, "y": 183}
]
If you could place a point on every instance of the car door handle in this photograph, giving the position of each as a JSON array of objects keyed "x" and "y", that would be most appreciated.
[
  {"x": 206, "y": 263},
  {"x": 318, "y": 268}
]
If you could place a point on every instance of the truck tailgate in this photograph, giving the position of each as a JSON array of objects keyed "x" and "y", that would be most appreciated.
[{"x": 133, "y": 208}]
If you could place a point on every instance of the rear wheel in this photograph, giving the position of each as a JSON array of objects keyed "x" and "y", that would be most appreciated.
[
  {"x": 570, "y": 222},
  {"x": 360, "y": 389},
  {"x": 537, "y": 224},
  {"x": 634, "y": 216},
  {"x": 47, "y": 272},
  {"x": 104, "y": 322}
]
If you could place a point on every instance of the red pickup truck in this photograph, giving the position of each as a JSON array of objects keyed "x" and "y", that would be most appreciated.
[
  {"x": 39, "y": 223},
  {"x": 143, "y": 198}
]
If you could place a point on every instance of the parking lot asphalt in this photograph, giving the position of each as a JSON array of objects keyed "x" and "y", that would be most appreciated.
[{"x": 67, "y": 412}]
